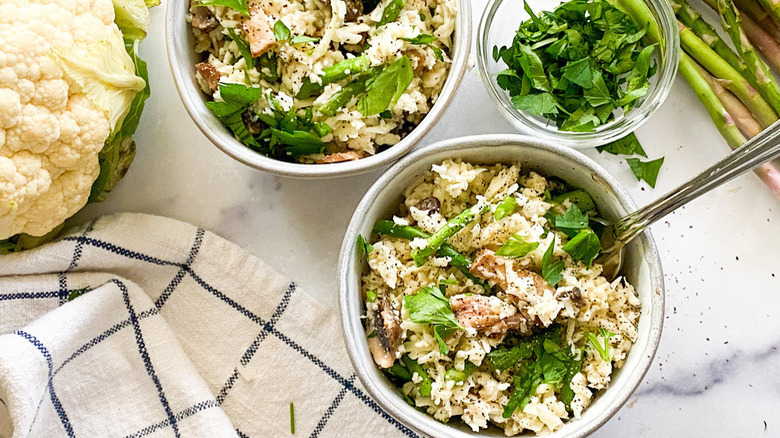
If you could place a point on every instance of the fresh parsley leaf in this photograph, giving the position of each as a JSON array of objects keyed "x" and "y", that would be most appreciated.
[
  {"x": 456, "y": 375},
  {"x": 243, "y": 48},
  {"x": 538, "y": 104},
  {"x": 552, "y": 272},
  {"x": 387, "y": 87},
  {"x": 237, "y": 5},
  {"x": 416, "y": 368},
  {"x": 579, "y": 72},
  {"x": 579, "y": 197},
  {"x": 593, "y": 341},
  {"x": 77, "y": 293},
  {"x": 300, "y": 39},
  {"x": 584, "y": 247},
  {"x": 391, "y": 12},
  {"x": 239, "y": 94},
  {"x": 505, "y": 208},
  {"x": 516, "y": 246},
  {"x": 573, "y": 219},
  {"x": 281, "y": 31},
  {"x": 448, "y": 282},
  {"x": 429, "y": 306},
  {"x": 628, "y": 145},
  {"x": 524, "y": 388},
  {"x": 501, "y": 359},
  {"x": 399, "y": 370},
  {"x": 423, "y": 38},
  {"x": 299, "y": 142},
  {"x": 645, "y": 170}
]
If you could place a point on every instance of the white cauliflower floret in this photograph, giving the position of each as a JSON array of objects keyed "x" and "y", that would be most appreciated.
[{"x": 65, "y": 83}]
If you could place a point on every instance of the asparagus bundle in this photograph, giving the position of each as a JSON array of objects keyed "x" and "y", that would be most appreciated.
[{"x": 737, "y": 87}]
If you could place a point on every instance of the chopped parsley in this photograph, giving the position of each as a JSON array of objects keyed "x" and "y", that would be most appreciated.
[
  {"x": 572, "y": 220},
  {"x": 364, "y": 248},
  {"x": 584, "y": 247},
  {"x": 415, "y": 368},
  {"x": 384, "y": 90},
  {"x": 505, "y": 208},
  {"x": 552, "y": 271},
  {"x": 460, "y": 375},
  {"x": 283, "y": 33},
  {"x": 516, "y": 246},
  {"x": 578, "y": 65},
  {"x": 542, "y": 358},
  {"x": 430, "y": 306},
  {"x": 593, "y": 341},
  {"x": 645, "y": 170},
  {"x": 425, "y": 39},
  {"x": 628, "y": 145},
  {"x": 281, "y": 134}
]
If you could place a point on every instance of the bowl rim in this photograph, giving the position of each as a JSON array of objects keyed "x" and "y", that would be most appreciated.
[
  {"x": 606, "y": 133},
  {"x": 194, "y": 103},
  {"x": 352, "y": 328}
]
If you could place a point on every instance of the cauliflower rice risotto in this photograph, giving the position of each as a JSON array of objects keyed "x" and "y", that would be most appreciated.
[
  {"x": 483, "y": 300},
  {"x": 322, "y": 81}
]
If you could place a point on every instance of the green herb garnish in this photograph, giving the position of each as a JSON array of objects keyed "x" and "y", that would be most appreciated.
[
  {"x": 391, "y": 12},
  {"x": 283, "y": 133},
  {"x": 430, "y": 306},
  {"x": 505, "y": 208},
  {"x": 628, "y": 145},
  {"x": 237, "y": 5},
  {"x": 552, "y": 272},
  {"x": 593, "y": 341},
  {"x": 243, "y": 48},
  {"x": 516, "y": 246},
  {"x": 414, "y": 367},
  {"x": 578, "y": 65},
  {"x": 645, "y": 170},
  {"x": 384, "y": 90},
  {"x": 283, "y": 33},
  {"x": 460, "y": 375},
  {"x": 584, "y": 247},
  {"x": 425, "y": 39},
  {"x": 371, "y": 296},
  {"x": 363, "y": 247}
]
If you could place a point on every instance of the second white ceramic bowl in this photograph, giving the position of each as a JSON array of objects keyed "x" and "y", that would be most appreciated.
[
  {"x": 642, "y": 269},
  {"x": 182, "y": 58}
]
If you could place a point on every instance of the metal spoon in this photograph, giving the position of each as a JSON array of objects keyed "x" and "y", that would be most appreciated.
[{"x": 756, "y": 151}]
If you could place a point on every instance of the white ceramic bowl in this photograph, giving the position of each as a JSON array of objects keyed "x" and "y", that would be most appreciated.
[
  {"x": 642, "y": 268},
  {"x": 182, "y": 58}
]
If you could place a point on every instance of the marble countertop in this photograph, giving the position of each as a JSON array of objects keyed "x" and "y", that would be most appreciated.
[{"x": 717, "y": 369}]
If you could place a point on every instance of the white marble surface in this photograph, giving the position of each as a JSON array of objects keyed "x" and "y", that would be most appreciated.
[{"x": 717, "y": 372}]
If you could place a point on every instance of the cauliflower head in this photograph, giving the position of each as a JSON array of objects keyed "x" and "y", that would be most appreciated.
[{"x": 66, "y": 83}]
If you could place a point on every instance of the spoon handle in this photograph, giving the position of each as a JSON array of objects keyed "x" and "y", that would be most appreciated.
[{"x": 756, "y": 151}]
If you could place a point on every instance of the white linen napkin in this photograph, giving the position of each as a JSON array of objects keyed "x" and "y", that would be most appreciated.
[{"x": 138, "y": 325}]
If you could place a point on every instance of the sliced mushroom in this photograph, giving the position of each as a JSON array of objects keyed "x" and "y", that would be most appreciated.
[
  {"x": 492, "y": 268},
  {"x": 252, "y": 122},
  {"x": 259, "y": 32},
  {"x": 354, "y": 10},
  {"x": 338, "y": 157},
  {"x": 203, "y": 19},
  {"x": 209, "y": 73},
  {"x": 384, "y": 346},
  {"x": 431, "y": 204},
  {"x": 487, "y": 314}
]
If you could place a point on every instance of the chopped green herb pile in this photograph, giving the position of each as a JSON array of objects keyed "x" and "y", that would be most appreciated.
[
  {"x": 541, "y": 358},
  {"x": 281, "y": 134},
  {"x": 578, "y": 66}
]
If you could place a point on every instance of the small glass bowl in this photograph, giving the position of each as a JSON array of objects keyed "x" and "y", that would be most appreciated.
[{"x": 497, "y": 27}]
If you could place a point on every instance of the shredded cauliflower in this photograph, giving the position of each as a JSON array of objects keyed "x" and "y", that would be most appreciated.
[{"x": 65, "y": 83}]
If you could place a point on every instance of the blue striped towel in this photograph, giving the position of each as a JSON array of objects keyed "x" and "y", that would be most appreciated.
[{"x": 137, "y": 325}]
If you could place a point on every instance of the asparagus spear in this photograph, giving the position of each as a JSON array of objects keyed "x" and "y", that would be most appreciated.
[
  {"x": 689, "y": 17},
  {"x": 336, "y": 72},
  {"x": 772, "y": 7},
  {"x": 733, "y": 80},
  {"x": 763, "y": 41},
  {"x": 723, "y": 120},
  {"x": 755, "y": 66},
  {"x": 756, "y": 13},
  {"x": 732, "y": 106},
  {"x": 438, "y": 238},
  {"x": 390, "y": 228}
]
